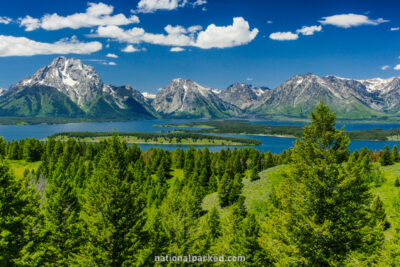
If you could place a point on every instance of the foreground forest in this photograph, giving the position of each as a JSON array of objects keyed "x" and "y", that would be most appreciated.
[{"x": 71, "y": 203}]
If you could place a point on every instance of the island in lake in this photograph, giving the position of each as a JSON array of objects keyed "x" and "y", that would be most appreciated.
[{"x": 158, "y": 138}]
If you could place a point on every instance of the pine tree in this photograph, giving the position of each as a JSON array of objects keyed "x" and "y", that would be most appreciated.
[
  {"x": 254, "y": 176},
  {"x": 397, "y": 182},
  {"x": 224, "y": 189},
  {"x": 19, "y": 220},
  {"x": 214, "y": 224},
  {"x": 378, "y": 212},
  {"x": 157, "y": 242},
  {"x": 323, "y": 212},
  {"x": 208, "y": 233},
  {"x": 386, "y": 157},
  {"x": 61, "y": 231},
  {"x": 180, "y": 210},
  {"x": 245, "y": 242},
  {"x": 112, "y": 212},
  {"x": 395, "y": 154}
]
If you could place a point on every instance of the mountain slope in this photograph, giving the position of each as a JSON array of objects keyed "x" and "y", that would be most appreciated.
[
  {"x": 82, "y": 85},
  {"x": 299, "y": 95},
  {"x": 187, "y": 99},
  {"x": 38, "y": 100},
  {"x": 241, "y": 95}
]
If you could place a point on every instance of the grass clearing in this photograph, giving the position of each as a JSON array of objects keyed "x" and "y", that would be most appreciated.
[
  {"x": 18, "y": 167},
  {"x": 389, "y": 194}
]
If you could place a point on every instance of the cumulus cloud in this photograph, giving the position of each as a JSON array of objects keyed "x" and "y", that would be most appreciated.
[
  {"x": 395, "y": 29},
  {"x": 98, "y": 14},
  {"x": 284, "y": 36},
  {"x": 213, "y": 36},
  {"x": 177, "y": 49},
  {"x": 5, "y": 20},
  {"x": 269, "y": 22},
  {"x": 397, "y": 67},
  {"x": 21, "y": 46},
  {"x": 238, "y": 33},
  {"x": 111, "y": 55},
  {"x": 309, "y": 30},
  {"x": 29, "y": 23},
  {"x": 385, "y": 67},
  {"x": 150, "y": 6},
  {"x": 130, "y": 49},
  {"x": 350, "y": 20}
]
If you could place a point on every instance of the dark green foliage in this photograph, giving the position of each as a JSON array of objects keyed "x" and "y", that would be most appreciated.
[
  {"x": 19, "y": 220},
  {"x": 395, "y": 154},
  {"x": 378, "y": 212},
  {"x": 111, "y": 204},
  {"x": 112, "y": 212},
  {"x": 386, "y": 157},
  {"x": 397, "y": 182},
  {"x": 323, "y": 213},
  {"x": 230, "y": 187}
]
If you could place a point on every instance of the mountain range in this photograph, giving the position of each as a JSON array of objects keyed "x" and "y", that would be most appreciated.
[{"x": 70, "y": 89}]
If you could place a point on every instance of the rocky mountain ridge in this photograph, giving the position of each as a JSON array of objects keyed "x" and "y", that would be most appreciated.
[{"x": 69, "y": 88}]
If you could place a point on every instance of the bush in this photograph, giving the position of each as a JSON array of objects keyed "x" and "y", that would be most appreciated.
[{"x": 397, "y": 182}]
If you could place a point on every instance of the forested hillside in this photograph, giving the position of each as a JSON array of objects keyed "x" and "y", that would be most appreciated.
[{"x": 71, "y": 203}]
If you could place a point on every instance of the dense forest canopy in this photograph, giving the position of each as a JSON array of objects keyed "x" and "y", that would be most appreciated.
[{"x": 111, "y": 204}]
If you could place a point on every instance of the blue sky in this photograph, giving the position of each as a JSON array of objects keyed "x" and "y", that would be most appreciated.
[{"x": 215, "y": 43}]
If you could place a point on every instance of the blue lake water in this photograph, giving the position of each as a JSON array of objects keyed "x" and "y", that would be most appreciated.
[{"x": 269, "y": 143}]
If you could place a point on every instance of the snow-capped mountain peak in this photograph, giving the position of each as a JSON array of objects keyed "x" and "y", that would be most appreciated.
[
  {"x": 78, "y": 81},
  {"x": 149, "y": 95}
]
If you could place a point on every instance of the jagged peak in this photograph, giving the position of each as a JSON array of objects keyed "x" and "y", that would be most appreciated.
[{"x": 237, "y": 84}]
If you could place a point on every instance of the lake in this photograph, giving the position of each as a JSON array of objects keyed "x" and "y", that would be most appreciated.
[{"x": 269, "y": 143}]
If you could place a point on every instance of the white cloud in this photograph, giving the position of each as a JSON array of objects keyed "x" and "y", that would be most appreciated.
[
  {"x": 397, "y": 67},
  {"x": 5, "y": 20},
  {"x": 238, "y": 33},
  {"x": 350, "y": 20},
  {"x": 395, "y": 29},
  {"x": 109, "y": 63},
  {"x": 269, "y": 22},
  {"x": 111, "y": 55},
  {"x": 21, "y": 46},
  {"x": 130, "y": 49},
  {"x": 194, "y": 28},
  {"x": 284, "y": 36},
  {"x": 150, "y": 6},
  {"x": 98, "y": 14},
  {"x": 249, "y": 79},
  {"x": 213, "y": 36},
  {"x": 309, "y": 30},
  {"x": 199, "y": 3},
  {"x": 29, "y": 23},
  {"x": 177, "y": 49},
  {"x": 385, "y": 67}
]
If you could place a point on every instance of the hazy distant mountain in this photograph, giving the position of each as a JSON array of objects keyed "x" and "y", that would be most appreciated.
[
  {"x": 187, "y": 99},
  {"x": 242, "y": 95},
  {"x": 53, "y": 88}
]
